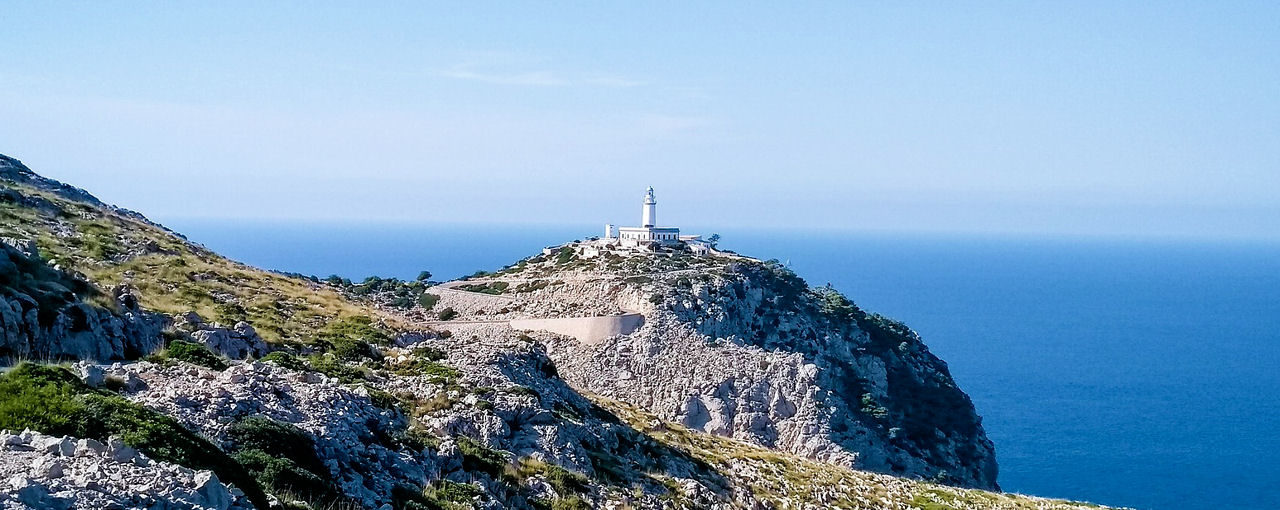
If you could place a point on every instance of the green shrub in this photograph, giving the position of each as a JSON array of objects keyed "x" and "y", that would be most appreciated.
[
  {"x": 565, "y": 255},
  {"x": 523, "y": 391},
  {"x": 415, "y": 439},
  {"x": 283, "y": 458},
  {"x": 277, "y": 439},
  {"x": 562, "y": 480},
  {"x": 350, "y": 349},
  {"x": 382, "y": 399},
  {"x": 436, "y": 372},
  {"x": 356, "y": 328},
  {"x": 566, "y": 481},
  {"x": 477, "y": 456},
  {"x": 282, "y": 475},
  {"x": 335, "y": 368},
  {"x": 493, "y": 288},
  {"x": 428, "y": 301},
  {"x": 448, "y": 314},
  {"x": 430, "y": 353},
  {"x": 453, "y": 492},
  {"x": 440, "y": 495},
  {"x": 194, "y": 353},
  {"x": 285, "y": 360},
  {"x": 40, "y": 398},
  {"x": 570, "y": 503}
]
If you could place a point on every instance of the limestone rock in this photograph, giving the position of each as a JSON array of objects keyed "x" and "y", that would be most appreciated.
[{"x": 101, "y": 476}]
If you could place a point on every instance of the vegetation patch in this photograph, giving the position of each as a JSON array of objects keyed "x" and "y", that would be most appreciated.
[
  {"x": 523, "y": 391},
  {"x": 283, "y": 459},
  {"x": 333, "y": 367},
  {"x": 531, "y": 286},
  {"x": 560, "y": 479},
  {"x": 479, "y": 457},
  {"x": 353, "y": 338},
  {"x": 430, "y": 353},
  {"x": 286, "y": 360},
  {"x": 436, "y": 372},
  {"x": 439, "y": 495},
  {"x": 492, "y": 288},
  {"x": 51, "y": 400},
  {"x": 191, "y": 352}
]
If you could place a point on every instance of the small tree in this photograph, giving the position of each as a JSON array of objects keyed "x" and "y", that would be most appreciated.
[
  {"x": 715, "y": 238},
  {"x": 424, "y": 276}
]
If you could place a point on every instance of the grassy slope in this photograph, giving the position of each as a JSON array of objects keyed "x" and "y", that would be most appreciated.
[{"x": 172, "y": 275}]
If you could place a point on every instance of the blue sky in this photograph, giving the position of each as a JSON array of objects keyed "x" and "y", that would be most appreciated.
[{"x": 1108, "y": 118}]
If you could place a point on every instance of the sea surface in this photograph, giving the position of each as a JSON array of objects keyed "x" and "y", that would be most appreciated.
[{"x": 1135, "y": 373}]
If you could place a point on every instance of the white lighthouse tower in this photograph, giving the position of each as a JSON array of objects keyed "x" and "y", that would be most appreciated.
[
  {"x": 649, "y": 216},
  {"x": 648, "y": 233}
]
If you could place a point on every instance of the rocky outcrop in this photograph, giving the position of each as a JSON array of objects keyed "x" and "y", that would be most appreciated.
[
  {"x": 63, "y": 473},
  {"x": 44, "y": 314},
  {"x": 503, "y": 399},
  {"x": 343, "y": 420},
  {"x": 745, "y": 349},
  {"x": 238, "y": 342}
]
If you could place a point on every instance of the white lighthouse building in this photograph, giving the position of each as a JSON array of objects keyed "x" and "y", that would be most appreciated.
[{"x": 648, "y": 233}]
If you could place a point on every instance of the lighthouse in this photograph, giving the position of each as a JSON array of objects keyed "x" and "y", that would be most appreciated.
[
  {"x": 649, "y": 216},
  {"x": 648, "y": 233},
  {"x": 649, "y": 237}
]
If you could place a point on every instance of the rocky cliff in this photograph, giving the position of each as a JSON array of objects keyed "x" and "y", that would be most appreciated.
[
  {"x": 204, "y": 383},
  {"x": 742, "y": 348}
]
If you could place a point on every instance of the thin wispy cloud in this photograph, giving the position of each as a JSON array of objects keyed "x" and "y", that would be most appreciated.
[
  {"x": 532, "y": 78},
  {"x": 536, "y": 78}
]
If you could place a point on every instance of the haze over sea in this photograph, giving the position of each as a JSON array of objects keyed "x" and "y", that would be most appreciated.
[{"x": 1136, "y": 373}]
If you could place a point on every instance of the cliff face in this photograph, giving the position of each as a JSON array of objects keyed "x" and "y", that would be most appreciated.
[
  {"x": 745, "y": 349},
  {"x": 46, "y": 313}
]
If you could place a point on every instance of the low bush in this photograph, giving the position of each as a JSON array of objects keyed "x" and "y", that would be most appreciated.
[
  {"x": 448, "y": 314},
  {"x": 562, "y": 480},
  {"x": 382, "y": 399},
  {"x": 194, "y": 353},
  {"x": 479, "y": 457},
  {"x": 335, "y": 368},
  {"x": 428, "y": 301},
  {"x": 430, "y": 353},
  {"x": 285, "y": 360},
  {"x": 436, "y": 372},
  {"x": 276, "y": 438},
  {"x": 440, "y": 495},
  {"x": 453, "y": 492},
  {"x": 355, "y": 328},
  {"x": 524, "y": 391},
  {"x": 281, "y": 475}
]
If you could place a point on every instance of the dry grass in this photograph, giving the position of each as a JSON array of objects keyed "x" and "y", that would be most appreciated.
[{"x": 172, "y": 275}]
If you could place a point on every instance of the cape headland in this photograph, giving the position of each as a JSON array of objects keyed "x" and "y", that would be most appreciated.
[{"x": 614, "y": 372}]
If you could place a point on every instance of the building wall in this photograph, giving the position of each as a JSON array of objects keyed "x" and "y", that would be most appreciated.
[{"x": 664, "y": 235}]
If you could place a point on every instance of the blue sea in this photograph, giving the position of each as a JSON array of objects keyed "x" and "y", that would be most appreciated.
[{"x": 1135, "y": 373}]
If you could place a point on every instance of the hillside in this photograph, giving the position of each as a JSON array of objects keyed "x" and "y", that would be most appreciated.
[
  {"x": 192, "y": 381},
  {"x": 743, "y": 348}
]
